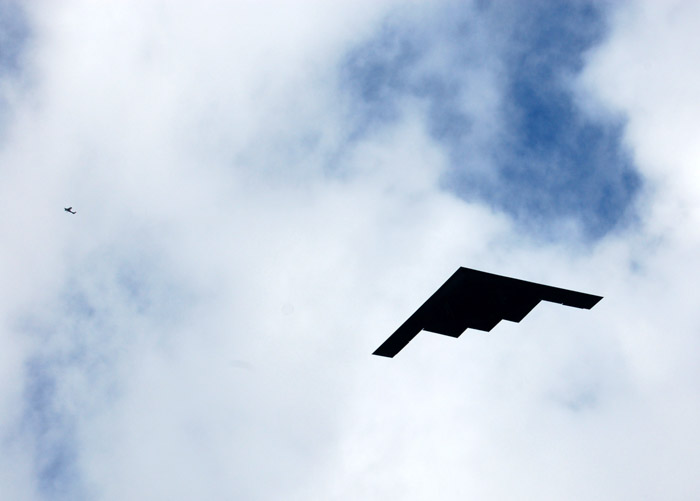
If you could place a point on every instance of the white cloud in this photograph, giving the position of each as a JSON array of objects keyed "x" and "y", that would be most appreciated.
[{"x": 207, "y": 317}]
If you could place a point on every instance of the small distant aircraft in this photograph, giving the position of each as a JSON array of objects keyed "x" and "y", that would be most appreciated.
[{"x": 69, "y": 209}]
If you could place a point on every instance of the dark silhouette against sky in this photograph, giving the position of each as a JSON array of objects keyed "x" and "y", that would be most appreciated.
[{"x": 478, "y": 300}]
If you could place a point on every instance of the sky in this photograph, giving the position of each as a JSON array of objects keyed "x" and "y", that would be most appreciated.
[{"x": 266, "y": 190}]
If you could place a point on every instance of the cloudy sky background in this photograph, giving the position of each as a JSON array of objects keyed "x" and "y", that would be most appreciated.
[{"x": 266, "y": 190}]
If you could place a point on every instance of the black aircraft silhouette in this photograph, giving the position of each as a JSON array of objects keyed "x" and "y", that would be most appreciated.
[
  {"x": 69, "y": 209},
  {"x": 478, "y": 300}
]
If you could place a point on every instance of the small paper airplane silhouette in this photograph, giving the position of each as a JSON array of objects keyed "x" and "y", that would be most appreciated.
[{"x": 69, "y": 209}]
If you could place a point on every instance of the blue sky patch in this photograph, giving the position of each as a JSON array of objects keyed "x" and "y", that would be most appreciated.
[
  {"x": 52, "y": 431},
  {"x": 14, "y": 33},
  {"x": 548, "y": 162},
  {"x": 71, "y": 376}
]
